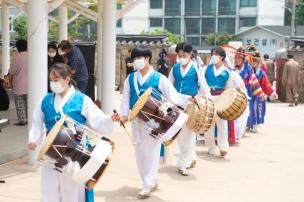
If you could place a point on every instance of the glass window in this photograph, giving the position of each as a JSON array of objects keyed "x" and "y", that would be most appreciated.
[
  {"x": 173, "y": 25},
  {"x": 208, "y": 25},
  {"x": 192, "y": 7},
  {"x": 156, "y": 4},
  {"x": 172, "y": 7},
  {"x": 194, "y": 41},
  {"x": 248, "y": 22},
  {"x": 208, "y": 7},
  {"x": 192, "y": 25},
  {"x": 156, "y": 22},
  {"x": 119, "y": 23},
  {"x": 248, "y": 3},
  {"x": 226, "y": 25},
  {"x": 227, "y": 7}
]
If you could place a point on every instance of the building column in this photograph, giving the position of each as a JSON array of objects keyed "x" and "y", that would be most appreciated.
[
  {"x": 37, "y": 58},
  {"x": 5, "y": 37},
  {"x": 99, "y": 49},
  {"x": 63, "y": 23},
  {"x": 108, "y": 56}
]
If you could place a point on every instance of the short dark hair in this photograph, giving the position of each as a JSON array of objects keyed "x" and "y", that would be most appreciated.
[
  {"x": 130, "y": 50},
  {"x": 65, "y": 44},
  {"x": 141, "y": 51},
  {"x": 195, "y": 51},
  {"x": 52, "y": 45},
  {"x": 290, "y": 55},
  {"x": 266, "y": 56},
  {"x": 184, "y": 47},
  {"x": 220, "y": 51},
  {"x": 21, "y": 45}
]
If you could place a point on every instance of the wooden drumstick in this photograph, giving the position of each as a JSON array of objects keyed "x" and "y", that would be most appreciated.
[
  {"x": 126, "y": 130},
  {"x": 196, "y": 102}
]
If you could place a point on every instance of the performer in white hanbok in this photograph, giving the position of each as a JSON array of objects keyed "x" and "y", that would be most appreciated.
[
  {"x": 56, "y": 187},
  {"x": 187, "y": 79},
  {"x": 218, "y": 79},
  {"x": 147, "y": 148}
]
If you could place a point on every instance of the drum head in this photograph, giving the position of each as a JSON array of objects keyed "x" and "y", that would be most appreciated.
[
  {"x": 140, "y": 103},
  {"x": 51, "y": 137},
  {"x": 225, "y": 100}
]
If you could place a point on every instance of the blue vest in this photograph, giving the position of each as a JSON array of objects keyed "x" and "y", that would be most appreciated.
[
  {"x": 152, "y": 81},
  {"x": 216, "y": 82},
  {"x": 188, "y": 84},
  {"x": 72, "y": 108}
]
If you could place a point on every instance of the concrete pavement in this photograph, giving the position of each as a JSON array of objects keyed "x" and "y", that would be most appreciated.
[{"x": 264, "y": 167}]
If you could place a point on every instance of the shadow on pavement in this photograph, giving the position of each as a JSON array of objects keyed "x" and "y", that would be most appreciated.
[
  {"x": 125, "y": 194},
  {"x": 204, "y": 155},
  {"x": 171, "y": 171}
]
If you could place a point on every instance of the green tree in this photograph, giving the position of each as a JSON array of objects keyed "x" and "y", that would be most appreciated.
[
  {"x": 20, "y": 27},
  {"x": 172, "y": 37},
  {"x": 219, "y": 38},
  {"x": 299, "y": 13}
]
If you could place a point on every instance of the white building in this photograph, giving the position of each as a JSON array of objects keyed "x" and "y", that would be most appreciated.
[
  {"x": 268, "y": 39},
  {"x": 195, "y": 19}
]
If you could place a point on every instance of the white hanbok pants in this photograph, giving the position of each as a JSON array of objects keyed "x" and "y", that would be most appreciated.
[
  {"x": 147, "y": 154},
  {"x": 187, "y": 142},
  {"x": 57, "y": 187},
  {"x": 222, "y": 134}
]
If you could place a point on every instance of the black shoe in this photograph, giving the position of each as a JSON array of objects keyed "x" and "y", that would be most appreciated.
[{"x": 20, "y": 124}]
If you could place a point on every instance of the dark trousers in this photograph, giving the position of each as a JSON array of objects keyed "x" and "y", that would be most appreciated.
[
  {"x": 82, "y": 86},
  {"x": 21, "y": 107}
]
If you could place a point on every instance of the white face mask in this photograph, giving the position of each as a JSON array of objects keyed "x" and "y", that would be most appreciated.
[
  {"x": 184, "y": 61},
  {"x": 56, "y": 87},
  {"x": 139, "y": 64},
  {"x": 214, "y": 59},
  {"x": 61, "y": 52},
  {"x": 52, "y": 54}
]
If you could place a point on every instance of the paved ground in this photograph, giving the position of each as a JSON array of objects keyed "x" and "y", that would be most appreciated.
[{"x": 264, "y": 167}]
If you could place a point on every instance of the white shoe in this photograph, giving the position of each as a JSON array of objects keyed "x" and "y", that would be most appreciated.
[
  {"x": 211, "y": 151},
  {"x": 223, "y": 153},
  {"x": 154, "y": 188},
  {"x": 143, "y": 194},
  {"x": 183, "y": 172}
]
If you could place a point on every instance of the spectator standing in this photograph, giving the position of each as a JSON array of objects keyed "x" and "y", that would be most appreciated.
[
  {"x": 196, "y": 59},
  {"x": 291, "y": 80},
  {"x": 18, "y": 72},
  {"x": 129, "y": 64},
  {"x": 270, "y": 68},
  {"x": 53, "y": 57},
  {"x": 163, "y": 63},
  {"x": 72, "y": 56}
]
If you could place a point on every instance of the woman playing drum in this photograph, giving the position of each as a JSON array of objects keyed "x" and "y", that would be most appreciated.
[{"x": 56, "y": 187}]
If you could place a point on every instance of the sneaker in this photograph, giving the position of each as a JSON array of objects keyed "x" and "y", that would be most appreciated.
[
  {"x": 183, "y": 172},
  {"x": 211, "y": 152},
  {"x": 223, "y": 153},
  {"x": 154, "y": 188},
  {"x": 192, "y": 165},
  {"x": 20, "y": 124},
  {"x": 143, "y": 194},
  {"x": 296, "y": 102}
]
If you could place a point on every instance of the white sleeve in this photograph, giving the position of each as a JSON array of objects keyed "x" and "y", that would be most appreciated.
[
  {"x": 169, "y": 92},
  {"x": 203, "y": 85},
  {"x": 230, "y": 83},
  {"x": 171, "y": 77},
  {"x": 96, "y": 119},
  {"x": 125, "y": 102},
  {"x": 37, "y": 131}
]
